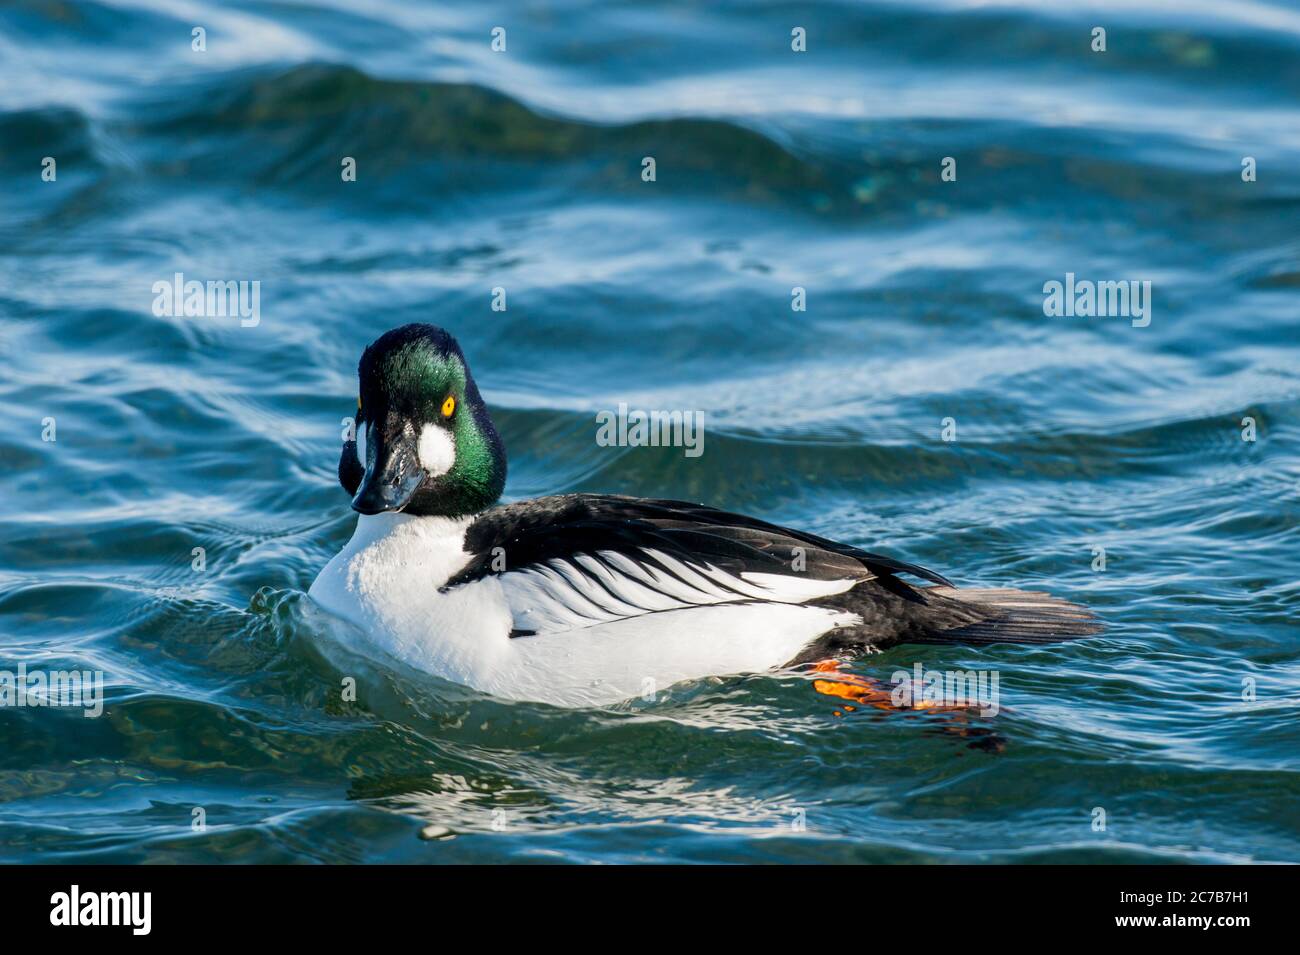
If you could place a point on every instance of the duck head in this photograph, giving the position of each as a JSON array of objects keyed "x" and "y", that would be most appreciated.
[{"x": 424, "y": 444}]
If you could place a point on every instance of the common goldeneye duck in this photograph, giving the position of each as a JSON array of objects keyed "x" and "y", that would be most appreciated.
[{"x": 588, "y": 599}]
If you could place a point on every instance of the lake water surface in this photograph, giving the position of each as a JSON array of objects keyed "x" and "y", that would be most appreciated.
[{"x": 774, "y": 169}]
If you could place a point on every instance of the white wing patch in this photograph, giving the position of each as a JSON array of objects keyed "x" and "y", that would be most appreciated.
[{"x": 585, "y": 590}]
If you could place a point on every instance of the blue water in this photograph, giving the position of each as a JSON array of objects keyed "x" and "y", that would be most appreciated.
[{"x": 774, "y": 169}]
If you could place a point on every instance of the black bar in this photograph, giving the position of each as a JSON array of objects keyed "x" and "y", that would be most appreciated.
[{"x": 267, "y": 903}]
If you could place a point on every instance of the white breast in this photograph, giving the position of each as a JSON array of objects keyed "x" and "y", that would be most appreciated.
[{"x": 385, "y": 582}]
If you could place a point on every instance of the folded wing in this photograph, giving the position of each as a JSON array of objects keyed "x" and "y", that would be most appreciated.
[{"x": 577, "y": 560}]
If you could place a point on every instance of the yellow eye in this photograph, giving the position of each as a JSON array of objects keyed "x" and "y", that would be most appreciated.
[
  {"x": 449, "y": 406},
  {"x": 358, "y": 402}
]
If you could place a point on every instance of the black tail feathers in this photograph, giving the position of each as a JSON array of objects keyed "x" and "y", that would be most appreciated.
[{"x": 1005, "y": 616}]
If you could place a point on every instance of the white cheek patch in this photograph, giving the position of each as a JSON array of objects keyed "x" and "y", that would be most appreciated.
[
  {"x": 361, "y": 444},
  {"x": 437, "y": 450}
]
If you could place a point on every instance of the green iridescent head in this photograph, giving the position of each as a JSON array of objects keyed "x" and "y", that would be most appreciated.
[{"x": 424, "y": 444}]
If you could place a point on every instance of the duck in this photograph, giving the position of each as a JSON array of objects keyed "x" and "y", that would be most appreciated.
[{"x": 587, "y": 599}]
